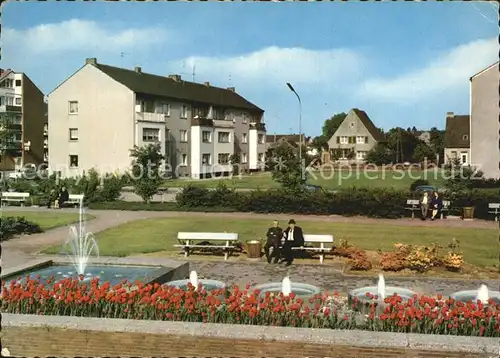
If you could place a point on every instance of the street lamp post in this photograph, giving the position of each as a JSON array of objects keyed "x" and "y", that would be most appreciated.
[{"x": 300, "y": 126}]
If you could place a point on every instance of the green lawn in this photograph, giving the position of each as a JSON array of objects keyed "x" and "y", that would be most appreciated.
[
  {"x": 326, "y": 179},
  {"x": 480, "y": 246},
  {"x": 47, "y": 220}
]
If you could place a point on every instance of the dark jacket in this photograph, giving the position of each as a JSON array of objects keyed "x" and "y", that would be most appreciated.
[
  {"x": 437, "y": 203},
  {"x": 298, "y": 236},
  {"x": 274, "y": 235},
  {"x": 64, "y": 195}
]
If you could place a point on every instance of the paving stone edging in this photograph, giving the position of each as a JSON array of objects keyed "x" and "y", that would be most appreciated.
[{"x": 263, "y": 333}]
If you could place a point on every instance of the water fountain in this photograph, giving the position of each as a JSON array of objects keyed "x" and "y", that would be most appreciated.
[
  {"x": 302, "y": 290},
  {"x": 483, "y": 294},
  {"x": 381, "y": 290},
  {"x": 206, "y": 284}
]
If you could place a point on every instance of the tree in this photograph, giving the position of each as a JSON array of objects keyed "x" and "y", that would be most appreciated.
[
  {"x": 330, "y": 126},
  {"x": 379, "y": 155},
  {"x": 436, "y": 141},
  {"x": 402, "y": 143},
  {"x": 423, "y": 152},
  {"x": 146, "y": 170},
  {"x": 235, "y": 160},
  {"x": 283, "y": 162},
  {"x": 5, "y": 133}
]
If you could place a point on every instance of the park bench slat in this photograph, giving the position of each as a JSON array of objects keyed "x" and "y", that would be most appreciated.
[{"x": 185, "y": 239}]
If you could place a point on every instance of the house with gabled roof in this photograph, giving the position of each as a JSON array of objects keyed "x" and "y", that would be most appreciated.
[
  {"x": 100, "y": 112},
  {"x": 457, "y": 139},
  {"x": 355, "y": 137}
]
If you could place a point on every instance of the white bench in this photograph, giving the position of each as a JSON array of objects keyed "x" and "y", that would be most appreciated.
[
  {"x": 225, "y": 241},
  {"x": 14, "y": 197},
  {"x": 494, "y": 208},
  {"x": 322, "y": 240},
  {"x": 74, "y": 199},
  {"x": 412, "y": 205}
]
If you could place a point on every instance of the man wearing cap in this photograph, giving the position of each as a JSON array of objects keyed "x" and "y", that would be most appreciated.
[
  {"x": 274, "y": 235},
  {"x": 293, "y": 237}
]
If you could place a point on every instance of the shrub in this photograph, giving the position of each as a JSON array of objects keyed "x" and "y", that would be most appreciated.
[
  {"x": 417, "y": 183},
  {"x": 453, "y": 261},
  {"x": 11, "y": 226},
  {"x": 419, "y": 259}
]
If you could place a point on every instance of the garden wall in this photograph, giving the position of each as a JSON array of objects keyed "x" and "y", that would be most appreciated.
[{"x": 27, "y": 335}]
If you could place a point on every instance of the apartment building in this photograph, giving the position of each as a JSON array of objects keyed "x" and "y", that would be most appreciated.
[
  {"x": 21, "y": 121},
  {"x": 99, "y": 113},
  {"x": 485, "y": 121},
  {"x": 457, "y": 138},
  {"x": 355, "y": 137}
]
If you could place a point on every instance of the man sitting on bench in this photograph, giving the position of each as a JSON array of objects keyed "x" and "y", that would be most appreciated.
[
  {"x": 272, "y": 247},
  {"x": 292, "y": 237},
  {"x": 63, "y": 196}
]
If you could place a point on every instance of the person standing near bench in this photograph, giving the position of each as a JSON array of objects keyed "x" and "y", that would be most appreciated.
[
  {"x": 424, "y": 205},
  {"x": 437, "y": 205},
  {"x": 293, "y": 237},
  {"x": 272, "y": 247}
]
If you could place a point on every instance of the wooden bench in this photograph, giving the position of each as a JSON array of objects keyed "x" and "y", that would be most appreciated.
[
  {"x": 494, "y": 208},
  {"x": 322, "y": 240},
  {"x": 74, "y": 199},
  {"x": 412, "y": 205},
  {"x": 14, "y": 197},
  {"x": 225, "y": 241}
]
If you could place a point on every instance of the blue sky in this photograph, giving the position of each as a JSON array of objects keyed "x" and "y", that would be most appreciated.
[{"x": 404, "y": 63}]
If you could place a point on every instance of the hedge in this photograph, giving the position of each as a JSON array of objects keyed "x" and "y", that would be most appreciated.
[{"x": 378, "y": 203}]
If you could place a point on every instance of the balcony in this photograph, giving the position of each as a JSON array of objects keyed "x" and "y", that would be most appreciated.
[
  {"x": 150, "y": 117},
  {"x": 259, "y": 126},
  {"x": 8, "y": 109},
  {"x": 202, "y": 122},
  {"x": 223, "y": 123}
]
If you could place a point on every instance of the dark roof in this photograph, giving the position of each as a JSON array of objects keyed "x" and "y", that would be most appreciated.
[
  {"x": 149, "y": 84},
  {"x": 273, "y": 138},
  {"x": 367, "y": 122},
  {"x": 456, "y": 128}
]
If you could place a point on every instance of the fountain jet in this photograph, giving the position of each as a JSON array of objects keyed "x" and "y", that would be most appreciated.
[
  {"x": 193, "y": 279},
  {"x": 80, "y": 244},
  {"x": 381, "y": 286},
  {"x": 286, "y": 286},
  {"x": 483, "y": 294}
]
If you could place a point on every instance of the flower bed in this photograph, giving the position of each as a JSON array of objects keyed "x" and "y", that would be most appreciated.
[{"x": 72, "y": 297}]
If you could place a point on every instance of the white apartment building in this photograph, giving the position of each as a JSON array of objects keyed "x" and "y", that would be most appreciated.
[{"x": 99, "y": 113}]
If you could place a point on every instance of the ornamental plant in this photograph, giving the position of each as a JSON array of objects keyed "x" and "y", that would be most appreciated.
[{"x": 127, "y": 300}]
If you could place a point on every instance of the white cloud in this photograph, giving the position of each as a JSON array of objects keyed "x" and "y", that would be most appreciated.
[
  {"x": 77, "y": 35},
  {"x": 275, "y": 65},
  {"x": 448, "y": 73}
]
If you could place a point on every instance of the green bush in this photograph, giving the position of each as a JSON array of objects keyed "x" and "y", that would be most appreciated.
[
  {"x": 11, "y": 226},
  {"x": 140, "y": 206}
]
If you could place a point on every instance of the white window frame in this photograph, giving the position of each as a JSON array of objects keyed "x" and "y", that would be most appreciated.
[
  {"x": 77, "y": 161},
  {"x": 203, "y": 158},
  {"x": 165, "y": 109},
  {"x": 184, "y": 111},
  {"x": 224, "y": 133},
  {"x": 225, "y": 155},
  {"x": 184, "y": 158},
  {"x": 261, "y": 139},
  {"x": 466, "y": 155},
  {"x": 72, "y": 136},
  {"x": 360, "y": 139},
  {"x": 18, "y": 101},
  {"x": 261, "y": 157},
  {"x": 360, "y": 155},
  {"x": 344, "y": 139},
  {"x": 70, "y": 104},
  {"x": 244, "y": 158},
  {"x": 209, "y": 140},
  {"x": 183, "y": 136},
  {"x": 154, "y": 133}
]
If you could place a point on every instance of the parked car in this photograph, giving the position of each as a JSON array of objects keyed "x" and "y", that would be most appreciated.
[
  {"x": 311, "y": 187},
  {"x": 425, "y": 188}
]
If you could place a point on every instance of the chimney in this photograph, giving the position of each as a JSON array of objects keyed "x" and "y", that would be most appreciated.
[
  {"x": 232, "y": 89},
  {"x": 138, "y": 69},
  {"x": 176, "y": 78},
  {"x": 91, "y": 61},
  {"x": 207, "y": 84},
  {"x": 450, "y": 114}
]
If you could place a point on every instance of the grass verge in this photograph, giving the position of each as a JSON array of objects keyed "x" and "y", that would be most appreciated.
[{"x": 47, "y": 220}]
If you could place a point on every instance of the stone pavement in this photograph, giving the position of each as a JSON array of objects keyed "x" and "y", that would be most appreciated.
[{"x": 21, "y": 249}]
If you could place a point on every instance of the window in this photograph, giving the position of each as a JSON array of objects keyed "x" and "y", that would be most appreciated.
[
  {"x": 184, "y": 111},
  {"x": 9, "y": 101},
  {"x": 465, "y": 137},
  {"x": 245, "y": 119},
  {"x": 16, "y": 137},
  {"x": 165, "y": 109},
  {"x": 206, "y": 136},
  {"x": 73, "y": 134},
  {"x": 352, "y": 124},
  {"x": 18, "y": 83},
  {"x": 261, "y": 157},
  {"x": 244, "y": 138},
  {"x": 360, "y": 155},
  {"x": 150, "y": 134},
  {"x": 223, "y": 158},
  {"x": 18, "y": 101},
  {"x": 73, "y": 107},
  {"x": 223, "y": 137},
  {"x": 343, "y": 140},
  {"x": 206, "y": 159},
  {"x": 183, "y": 135},
  {"x": 361, "y": 140},
  {"x": 73, "y": 161},
  {"x": 184, "y": 159},
  {"x": 8, "y": 83},
  {"x": 454, "y": 154},
  {"x": 464, "y": 157},
  {"x": 244, "y": 158},
  {"x": 260, "y": 138}
]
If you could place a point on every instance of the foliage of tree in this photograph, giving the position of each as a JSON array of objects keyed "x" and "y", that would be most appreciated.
[
  {"x": 330, "y": 126},
  {"x": 5, "y": 132},
  {"x": 283, "y": 162},
  {"x": 235, "y": 160},
  {"x": 423, "y": 152},
  {"x": 402, "y": 143},
  {"x": 436, "y": 142},
  {"x": 380, "y": 154},
  {"x": 147, "y": 170},
  {"x": 460, "y": 178}
]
